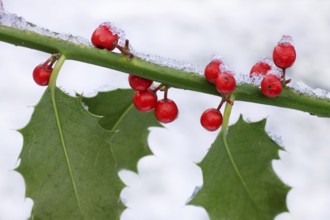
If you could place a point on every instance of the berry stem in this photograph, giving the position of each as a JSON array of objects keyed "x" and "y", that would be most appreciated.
[
  {"x": 157, "y": 88},
  {"x": 220, "y": 104},
  {"x": 226, "y": 115},
  {"x": 50, "y": 62},
  {"x": 165, "y": 93},
  {"x": 125, "y": 50}
]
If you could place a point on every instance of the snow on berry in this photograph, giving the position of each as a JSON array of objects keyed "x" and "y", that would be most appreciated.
[
  {"x": 103, "y": 37},
  {"x": 286, "y": 39},
  {"x": 260, "y": 68},
  {"x": 118, "y": 31},
  {"x": 284, "y": 54}
]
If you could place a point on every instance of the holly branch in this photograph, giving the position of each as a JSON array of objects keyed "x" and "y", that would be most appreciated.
[{"x": 166, "y": 75}]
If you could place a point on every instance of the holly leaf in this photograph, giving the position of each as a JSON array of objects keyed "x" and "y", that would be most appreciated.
[
  {"x": 239, "y": 182},
  {"x": 131, "y": 127},
  {"x": 67, "y": 162}
]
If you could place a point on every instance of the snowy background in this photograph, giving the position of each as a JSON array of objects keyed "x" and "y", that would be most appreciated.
[{"x": 190, "y": 31}]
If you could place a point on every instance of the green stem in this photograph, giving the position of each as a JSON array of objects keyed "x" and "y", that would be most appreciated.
[
  {"x": 163, "y": 74},
  {"x": 55, "y": 72},
  {"x": 224, "y": 132},
  {"x": 226, "y": 115},
  {"x": 52, "y": 87}
]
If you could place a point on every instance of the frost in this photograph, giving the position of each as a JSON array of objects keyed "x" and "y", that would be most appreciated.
[
  {"x": 267, "y": 60},
  {"x": 196, "y": 191},
  {"x": 286, "y": 39},
  {"x": 225, "y": 68},
  {"x": 276, "y": 72},
  {"x": 179, "y": 65},
  {"x": 276, "y": 138},
  {"x": 242, "y": 78},
  {"x": 116, "y": 30},
  {"x": 218, "y": 57},
  {"x": 301, "y": 88},
  {"x": 12, "y": 20}
]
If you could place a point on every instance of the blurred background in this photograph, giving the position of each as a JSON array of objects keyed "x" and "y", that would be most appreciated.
[{"x": 190, "y": 31}]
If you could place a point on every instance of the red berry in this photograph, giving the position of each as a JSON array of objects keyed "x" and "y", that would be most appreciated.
[
  {"x": 144, "y": 101},
  {"x": 284, "y": 55},
  {"x": 260, "y": 68},
  {"x": 211, "y": 119},
  {"x": 212, "y": 71},
  {"x": 42, "y": 73},
  {"x": 225, "y": 83},
  {"x": 166, "y": 111},
  {"x": 104, "y": 38},
  {"x": 271, "y": 86},
  {"x": 139, "y": 83}
]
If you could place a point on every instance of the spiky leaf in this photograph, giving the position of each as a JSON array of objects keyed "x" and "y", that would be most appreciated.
[
  {"x": 239, "y": 182},
  {"x": 67, "y": 162},
  {"x": 130, "y": 127}
]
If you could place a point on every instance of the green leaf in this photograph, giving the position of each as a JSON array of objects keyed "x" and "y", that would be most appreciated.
[
  {"x": 67, "y": 162},
  {"x": 239, "y": 182},
  {"x": 129, "y": 141}
]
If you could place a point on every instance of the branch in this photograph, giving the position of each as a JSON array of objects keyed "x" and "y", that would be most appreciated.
[{"x": 163, "y": 74}]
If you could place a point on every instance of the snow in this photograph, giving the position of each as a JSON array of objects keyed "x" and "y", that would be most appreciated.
[
  {"x": 199, "y": 31},
  {"x": 12, "y": 20},
  {"x": 241, "y": 78},
  {"x": 218, "y": 57},
  {"x": 277, "y": 72},
  {"x": 286, "y": 39},
  {"x": 176, "y": 64},
  {"x": 116, "y": 30},
  {"x": 195, "y": 192},
  {"x": 278, "y": 139},
  {"x": 301, "y": 88}
]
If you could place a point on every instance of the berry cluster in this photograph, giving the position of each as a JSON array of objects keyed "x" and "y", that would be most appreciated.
[
  {"x": 273, "y": 72},
  {"x": 145, "y": 99},
  {"x": 42, "y": 72},
  {"x": 216, "y": 73}
]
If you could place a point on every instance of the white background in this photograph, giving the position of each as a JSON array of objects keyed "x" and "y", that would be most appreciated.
[{"x": 190, "y": 31}]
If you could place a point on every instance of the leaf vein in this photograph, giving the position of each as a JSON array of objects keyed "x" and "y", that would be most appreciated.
[{"x": 52, "y": 86}]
